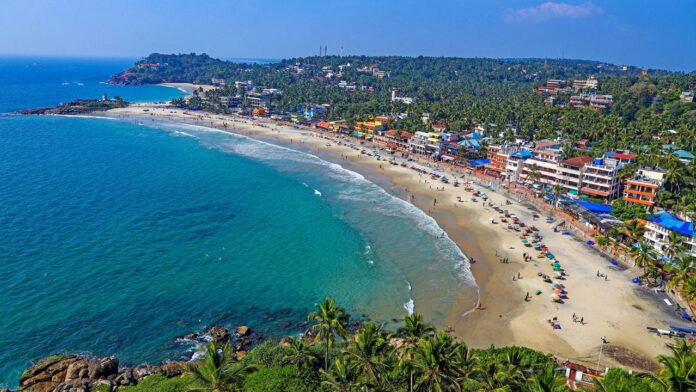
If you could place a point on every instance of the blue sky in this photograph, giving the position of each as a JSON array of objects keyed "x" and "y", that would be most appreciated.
[{"x": 656, "y": 34}]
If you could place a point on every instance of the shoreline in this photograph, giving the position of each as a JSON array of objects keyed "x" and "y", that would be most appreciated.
[{"x": 506, "y": 318}]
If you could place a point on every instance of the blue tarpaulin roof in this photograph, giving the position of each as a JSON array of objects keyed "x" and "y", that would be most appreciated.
[
  {"x": 671, "y": 222},
  {"x": 524, "y": 154},
  {"x": 479, "y": 162},
  {"x": 597, "y": 208}
]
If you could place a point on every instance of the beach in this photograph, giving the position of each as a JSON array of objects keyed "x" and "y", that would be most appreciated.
[{"x": 509, "y": 312}]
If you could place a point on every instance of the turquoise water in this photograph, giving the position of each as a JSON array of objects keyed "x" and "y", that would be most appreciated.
[{"x": 118, "y": 237}]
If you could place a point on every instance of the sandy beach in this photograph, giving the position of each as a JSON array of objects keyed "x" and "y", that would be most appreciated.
[{"x": 614, "y": 307}]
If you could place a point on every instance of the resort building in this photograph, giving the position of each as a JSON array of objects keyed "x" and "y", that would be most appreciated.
[
  {"x": 515, "y": 164},
  {"x": 547, "y": 154},
  {"x": 218, "y": 82},
  {"x": 258, "y": 100},
  {"x": 657, "y": 231},
  {"x": 643, "y": 187},
  {"x": 600, "y": 179},
  {"x": 591, "y": 100},
  {"x": 426, "y": 143},
  {"x": 569, "y": 173},
  {"x": 687, "y": 96},
  {"x": 369, "y": 128},
  {"x": 590, "y": 83},
  {"x": 231, "y": 101},
  {"x": 498, "y": 155}
]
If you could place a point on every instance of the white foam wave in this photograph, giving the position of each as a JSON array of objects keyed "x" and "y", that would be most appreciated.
[
  {"x": 381, "y": 201},
  {"x": 316, "y": 192},
  {"x": 410, "y": 306}
]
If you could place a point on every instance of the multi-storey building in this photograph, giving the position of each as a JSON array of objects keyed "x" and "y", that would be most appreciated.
[
  {"x": 426, "y": 143},
  {"x": 569, "y": 173},
  {"x": 258, "y": 100},
  {"x": 643, "y": 187},
  {"x": 498, "y": 155},
  {"x": 590, "y": 83},
  {"x": 657, "y": 231},
  {"x": 601, "y": 179}
]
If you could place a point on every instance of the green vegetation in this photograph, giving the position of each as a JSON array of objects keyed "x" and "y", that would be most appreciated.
[
  {"x": 416, "y": 357},
  {"x": 160, "y": 383}
]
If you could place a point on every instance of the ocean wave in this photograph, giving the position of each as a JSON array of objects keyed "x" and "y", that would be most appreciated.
[
  {"x": 316, "y": 192},
  {"x": 410, "y": 306},
  {"x": 361, "y": 189}
]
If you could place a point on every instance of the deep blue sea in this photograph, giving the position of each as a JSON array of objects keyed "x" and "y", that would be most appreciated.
[{"x": 116, "y": 237}]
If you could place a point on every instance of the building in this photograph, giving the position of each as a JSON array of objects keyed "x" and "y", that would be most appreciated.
[
  {"x": 569, "y": 173},
  {"x": 600, "y": 179},
  {"x": 590, "y": 83},
  {"x": 242, "y": 85},
  {"x": 498, "y": 155},
  {"x": 369, "y": 128},
  {"x": 591, "y": 100},
  {"x": 657, "y": 231},
  {"x": 687, "y": 96},
  {"x": 515, "y": 164},
  {"x": 406, "y": 100},
  {"x": 218, "y": 82},
  {"x": 547, "y": 154},
  {"x": 425, "y": 143},
  {"x": 231, "y": 101},
  {"x": 643, "y": 187},
  {"x": 258, "y": 100}
]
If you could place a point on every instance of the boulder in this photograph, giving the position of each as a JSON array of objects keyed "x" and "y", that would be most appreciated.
[
  {"x": 76, "y": 370},
  {"x": 172, "y": 369},
  {"x": 219, "y": 335},
  {"x": 141, "y": 371},
  {"x": 243, "y": 330},
  {"x": 240, "y": 355},
  {"x": 102, "y": 367},
  {"x": 46, "y": 374}
]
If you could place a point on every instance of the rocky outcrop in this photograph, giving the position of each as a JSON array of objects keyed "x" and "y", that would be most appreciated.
[
  {"x": 71, "y": 373},
  {"x": 80, "y": 106}
]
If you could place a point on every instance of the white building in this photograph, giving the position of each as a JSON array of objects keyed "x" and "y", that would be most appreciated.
[{"x": 657, "y": 231}]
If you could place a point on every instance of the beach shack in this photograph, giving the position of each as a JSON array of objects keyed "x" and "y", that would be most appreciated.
[{"x": 579, "y": 377}]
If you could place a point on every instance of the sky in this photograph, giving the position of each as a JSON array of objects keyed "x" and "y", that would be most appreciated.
[{"x": 650, "y": 34}]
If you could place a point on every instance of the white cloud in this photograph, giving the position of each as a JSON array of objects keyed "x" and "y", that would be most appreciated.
[{"x": 551, "y": 10}]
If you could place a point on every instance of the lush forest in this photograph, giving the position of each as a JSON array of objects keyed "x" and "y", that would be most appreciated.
[
  {"x": 416, "y": 357},
  {"x": 462, "y": 93},
  {"x": 459, "y": 92}
]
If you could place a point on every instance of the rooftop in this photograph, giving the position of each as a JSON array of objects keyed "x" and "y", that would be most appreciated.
[
  {"x": 578, "y": 161},
  {"x": 671, "y": 222}
]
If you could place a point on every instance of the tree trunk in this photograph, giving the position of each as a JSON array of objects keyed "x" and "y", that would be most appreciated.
[{"x": 326, "y": 356}]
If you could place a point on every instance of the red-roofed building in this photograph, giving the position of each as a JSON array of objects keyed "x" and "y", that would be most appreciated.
[
  {"x": 324, "y": 125},
  {"x": 439, "y": 127}
]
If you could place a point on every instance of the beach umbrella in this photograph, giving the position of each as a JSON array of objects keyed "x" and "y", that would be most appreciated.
[
  {"x": 555, "y": 296},
  {"x": 537, "y": 292},
  {"x": 525, "y": 241},
  {"x": 550, "y": 255}
]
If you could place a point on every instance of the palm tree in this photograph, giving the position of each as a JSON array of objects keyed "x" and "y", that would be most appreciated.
[
  {"x": 546, "y": 379},
  {"x": 330, "y": 320},
  {"x": 643, "y": 255},
  {"x": 434, "y": 364},
  {"x": 675, "y": 174},
  {"x": 365, "y": 354},
  {"x": 635, "y": 228},
  {"x": 680, "y": 269},
  {"x": 679, "y": 369},
  {"x": 675, "y": 243},
  {"x": 217, "y": 372},
  {"x": 300, "y": 354},
  {"x": 338, "y": 377},
  {"x": 688, "y": 290},
  {"x": 414, "y": 329}
]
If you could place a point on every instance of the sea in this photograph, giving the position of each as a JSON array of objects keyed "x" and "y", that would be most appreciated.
[{"x": 118, "y": 237}]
